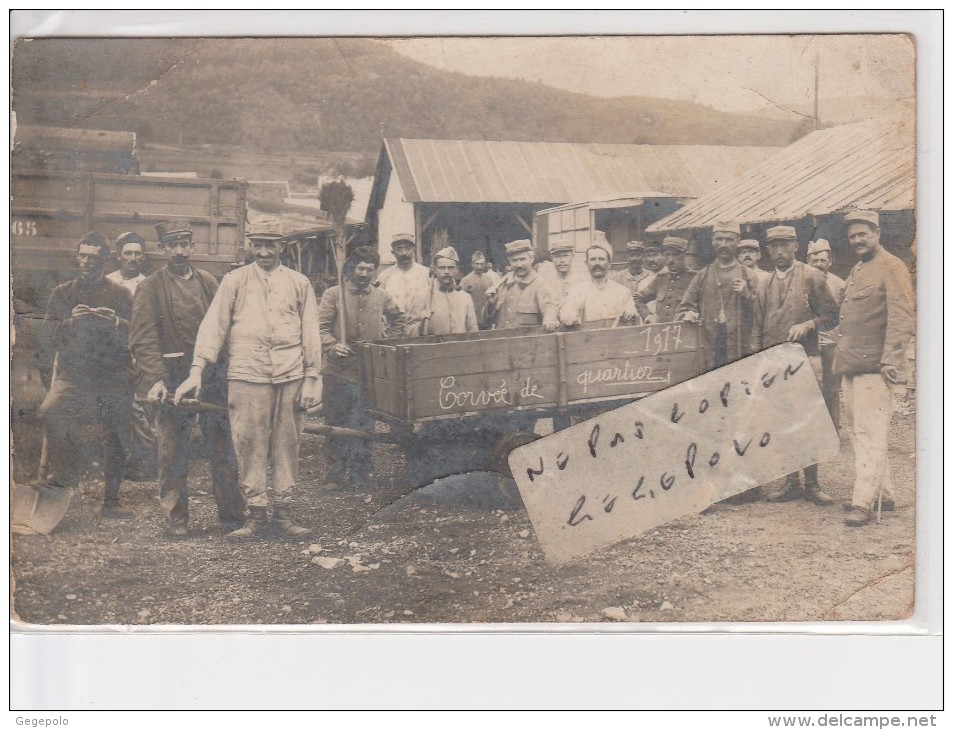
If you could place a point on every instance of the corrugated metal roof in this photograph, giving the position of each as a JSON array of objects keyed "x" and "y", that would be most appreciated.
[
  {"x": 467, "y": 171},
  {"x": 866, "y": 165}
]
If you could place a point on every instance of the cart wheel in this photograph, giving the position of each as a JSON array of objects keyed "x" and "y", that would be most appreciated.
[{"x": 442, "y": 451}]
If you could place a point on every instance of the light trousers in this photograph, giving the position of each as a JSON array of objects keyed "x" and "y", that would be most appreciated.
[
  {"x": 867, "y": 400},
  {"x": 264, "y": 420}
]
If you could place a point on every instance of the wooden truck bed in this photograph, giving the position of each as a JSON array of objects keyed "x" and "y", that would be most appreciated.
[{"x": 420, "y": 379}]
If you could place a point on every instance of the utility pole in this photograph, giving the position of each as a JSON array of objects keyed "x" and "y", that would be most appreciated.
[{"x": 817, "y": 76}]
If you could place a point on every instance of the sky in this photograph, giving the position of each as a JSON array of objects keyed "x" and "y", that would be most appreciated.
[{"x": 732, "y": 73}]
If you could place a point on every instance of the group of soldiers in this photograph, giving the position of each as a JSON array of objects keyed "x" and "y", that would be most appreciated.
[{"x": 255, "y": 351}]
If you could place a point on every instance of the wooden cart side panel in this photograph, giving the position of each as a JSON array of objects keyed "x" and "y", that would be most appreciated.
[
  {"x": 482, "y": 356},
  {"x": 636, "y": 341},
  {"x": 621, "y": 377},
  {"x": 480, "y": 392}
]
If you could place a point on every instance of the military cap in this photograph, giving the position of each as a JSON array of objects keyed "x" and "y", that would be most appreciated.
[
  {"x": 173, "y": 229},
  {"x": 128, "y": 237},
  {"x": 268, "y": 228},
  {"x": 561, "y": 245},
  {"x": 781, "y": 233},
  {"x": 749, "y": 243},
  {"x": 726, "y": 227},
  {"x": 679, "y": 244},
  {"x": 599, "y": 240},
  {"x": 405, "y": 237},
  {"x": 631, "y": 246},
  {"x": 818, "y": 246},
  {"x": 520, "y": 246},
  {"x": 447, "y": 252},
  {"x": 477, "y": 256},
  {"x": 870, "y": 217}
]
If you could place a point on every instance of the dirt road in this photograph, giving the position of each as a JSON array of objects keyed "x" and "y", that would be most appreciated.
[{"x": 457, "y": 552}]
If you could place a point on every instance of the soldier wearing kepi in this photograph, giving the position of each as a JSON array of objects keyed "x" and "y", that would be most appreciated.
[
  {"x": 167, "y": 312},
  {"x": 265, "y": 316},
  {"x": 721, "y": 299},
  {"x": 635, "y": 275},
  {"x": 749, "y": 254},
  {"x": 563, "y": 253},
  {"x": 523, "y": 298},
  {"x": 668, "y": 287},
  {"x": 876, "y": 323},
  {"x": 480, "y": 278},
  {"x": 600, "y": 297},
  {"x": 819, "y": 256},
  {"x": 794, "y": 305},
  {"x": 407, "y": 281},
  {"x": 451, "y": 310},
  {"x": 89, "y": 319}
]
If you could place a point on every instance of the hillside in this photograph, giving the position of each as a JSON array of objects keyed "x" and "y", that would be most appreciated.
[{"x": 305, "y": 96}]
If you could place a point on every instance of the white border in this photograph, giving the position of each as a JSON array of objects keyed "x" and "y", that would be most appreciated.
[{"x": 593, "y": 666}]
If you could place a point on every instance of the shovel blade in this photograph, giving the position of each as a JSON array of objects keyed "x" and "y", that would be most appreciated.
[{"x": 38, "y": 510}]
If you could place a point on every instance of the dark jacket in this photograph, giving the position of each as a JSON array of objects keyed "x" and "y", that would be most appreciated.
[
  {"x": 876, "y": 318},
  {"x": 154, "y": 331},
  {"x": 91, "y": 351},
  {"x": 808, "y": 298}
]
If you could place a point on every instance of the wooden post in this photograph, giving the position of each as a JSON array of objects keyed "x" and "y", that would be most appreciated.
[{"x": 342, "y": 306}]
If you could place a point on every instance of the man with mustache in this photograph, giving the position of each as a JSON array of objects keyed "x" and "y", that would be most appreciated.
[
  {"x": 749, "y": 254},
  {"x": 407, "y": 281},
  {"x": 451, "y": 310},
  {"x": 794, "y": 305},
  {"x": 370, "y": 313},
  {"x": 876, "y": 325},
  {"x": 130, "y": 250},
  {"x": 89, "y": 322},
  {"x": 265, "y": 316},
  {"x": 721, "y": 299},
  {"x": 668, "y": 286},
  {"x": 166, "y": 314},
  {"x": 600, "y": 297},
  {"x": 523, "y": 298}
]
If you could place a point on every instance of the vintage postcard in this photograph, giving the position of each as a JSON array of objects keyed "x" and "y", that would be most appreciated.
[{"x": 378, "y": 331}]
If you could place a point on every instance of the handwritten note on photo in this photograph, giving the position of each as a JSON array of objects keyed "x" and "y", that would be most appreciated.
[{"x": 674, "y": 452}]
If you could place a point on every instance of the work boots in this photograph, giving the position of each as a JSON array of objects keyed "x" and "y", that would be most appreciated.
[
  {"x": 255, "y": 524},
  {"x": 791, "y": 490},
  {"x": 285, "y": 524},
  {"x": 812, "y": 490}
]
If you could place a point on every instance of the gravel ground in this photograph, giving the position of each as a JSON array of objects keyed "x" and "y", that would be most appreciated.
[{"x": 458, "y": 552}]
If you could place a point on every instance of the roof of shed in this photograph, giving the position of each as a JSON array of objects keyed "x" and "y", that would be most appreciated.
[
  {"x": 470, "y": 171},
  {"x": 867, "y": 165}
]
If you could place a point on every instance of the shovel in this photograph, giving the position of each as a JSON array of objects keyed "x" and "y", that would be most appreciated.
[{"x": 36, "y": 510}]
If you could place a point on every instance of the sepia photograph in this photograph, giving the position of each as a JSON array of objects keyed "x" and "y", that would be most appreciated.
[{"x": 560, "y": 330}]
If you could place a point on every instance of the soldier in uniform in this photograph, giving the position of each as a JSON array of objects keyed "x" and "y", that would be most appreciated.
[
  {"x": 819, "y": 256},
  {"x": 523, "y": 298},
  {"x": 635, "y": 276},
  {"x": 600, "y": 297},
  {"x": 876, "y": 324},
  {"x": 721, "y": 299},
  {"x": 793, "y": 305},
  {"x": 451, "y": 310},
  {"x": 563, "y": 253},
  {"x": 749, "y": 254},
  {"x": 668, "y": 287},
  {"x": 480, "y": 278},
  {"x": 407, "y": 281}
]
